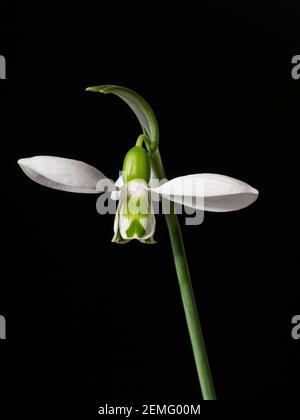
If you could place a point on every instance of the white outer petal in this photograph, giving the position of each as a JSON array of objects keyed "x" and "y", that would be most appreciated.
[
  {"x": 211, "y": 192},
  {"x": 62, "y": 174}
]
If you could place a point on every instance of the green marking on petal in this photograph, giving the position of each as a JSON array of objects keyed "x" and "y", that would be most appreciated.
[{"x": 135, "y": 228}]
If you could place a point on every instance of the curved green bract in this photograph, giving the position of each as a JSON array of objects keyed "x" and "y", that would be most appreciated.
[
  {"x": 139, "y": 106},
  {"x": 149, "y": 125}
]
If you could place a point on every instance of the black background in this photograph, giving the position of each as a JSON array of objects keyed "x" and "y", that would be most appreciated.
[{"x": 87, "y": 319}]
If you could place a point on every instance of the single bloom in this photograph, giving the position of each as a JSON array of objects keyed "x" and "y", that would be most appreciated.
[{"x": 134, "y": 218}]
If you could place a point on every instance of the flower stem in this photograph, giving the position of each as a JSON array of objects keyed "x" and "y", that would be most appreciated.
[
  {"x": 187, "y": 294},
  {"x": 150, "y": 137},
  {"x": 140, "y": 140}
]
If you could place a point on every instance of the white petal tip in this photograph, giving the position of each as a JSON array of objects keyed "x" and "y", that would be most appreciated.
[{"x": 22, "y": 162}]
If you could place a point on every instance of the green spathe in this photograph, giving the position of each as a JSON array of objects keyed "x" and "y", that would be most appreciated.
[{"x": 136, "y": 165}]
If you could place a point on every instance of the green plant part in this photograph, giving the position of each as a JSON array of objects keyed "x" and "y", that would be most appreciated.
[
  {"x": 136, "y": 165},
  {"x": 134, "y": 218}
]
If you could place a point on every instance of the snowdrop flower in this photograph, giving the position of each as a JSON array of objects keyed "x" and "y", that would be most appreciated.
[{"x": 134, "y": 217}]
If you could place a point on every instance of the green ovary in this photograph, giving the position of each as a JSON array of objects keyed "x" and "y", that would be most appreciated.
[{"x": 136, "y": 165}]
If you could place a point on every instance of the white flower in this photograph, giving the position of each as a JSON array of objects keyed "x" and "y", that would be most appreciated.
[{"x": 134, "y": 218}]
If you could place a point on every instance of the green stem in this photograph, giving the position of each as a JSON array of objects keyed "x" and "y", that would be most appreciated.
[
  {"x": 187, "y": 294},
  {"x": 146, "y": 117},
  {"x": 140, "y": 140}
]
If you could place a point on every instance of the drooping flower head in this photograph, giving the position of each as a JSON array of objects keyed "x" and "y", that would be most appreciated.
[{"x": 134, "y": 216}]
